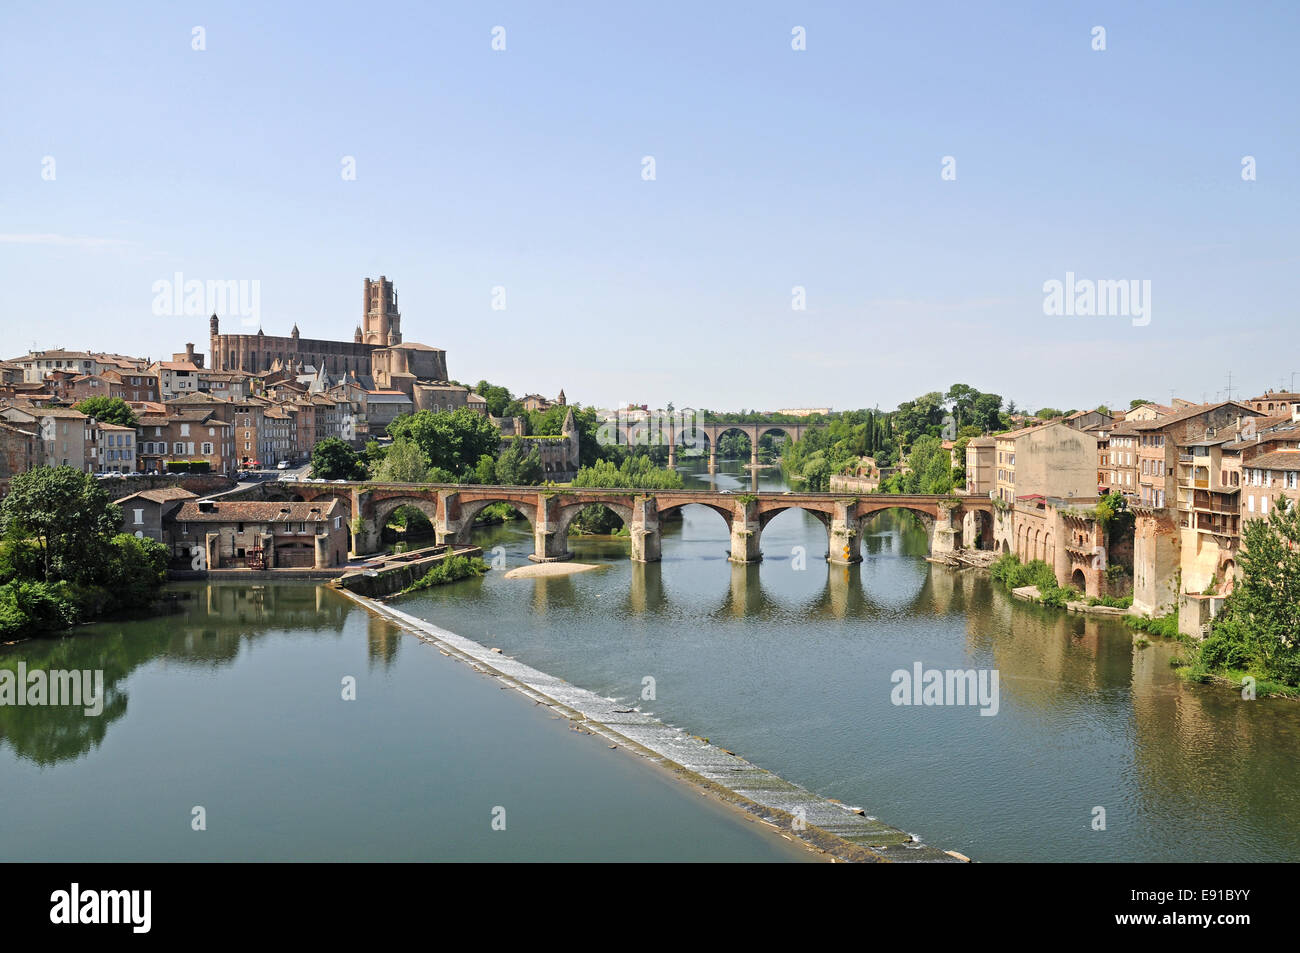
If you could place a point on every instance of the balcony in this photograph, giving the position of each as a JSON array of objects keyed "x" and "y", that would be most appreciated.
[
  {"x": 1212, "y": 505},
  {"x": 1217, "y": 526}
]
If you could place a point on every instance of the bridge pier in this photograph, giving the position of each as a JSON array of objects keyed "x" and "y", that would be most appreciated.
[
  {"x": 367, "y": 534},
  {"x": 944, "y": 536},
  {"x": 369, "y": 540},
  {"x": 647, "y": 543},
  {"x": 845, "y": 546},
  {"x": 549, "y": 545},
  {"x": 449, "y": 523},
  {"x": 745, "y": 530},
  {"x": 713, "y": 458}
]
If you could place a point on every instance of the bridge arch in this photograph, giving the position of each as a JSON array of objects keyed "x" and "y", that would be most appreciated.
[
  {"x": 823, "y": 515},
  {"x": 385, "y": 507},
  {"x": 727, "y": 515},
  {"x": 716, "y": 432},
  {"x": 762, "y": 430},
  {"x": 471, "y": 508},
  {"x": 568, "y": 513}
]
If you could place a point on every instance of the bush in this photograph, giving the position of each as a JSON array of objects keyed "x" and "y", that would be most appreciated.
[
  {"x": 34, "y": 608},
  {"x": 1220, "y": 652},
  {"x": 134, "y": 572},
  {"x": 1165, "y": 626},
  {"x": 1012, "y": 573},
  {"x": 1114, "y": 602},
  {"x": 450, "y": 569}
]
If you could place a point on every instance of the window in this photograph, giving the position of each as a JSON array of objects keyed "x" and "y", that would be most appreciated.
[
  {"x": 139, "y": 516},
  {"x": 1263, "y": 505},
  {"x": 185, "y": 430},
  {"x": 1250, "y": 504}
]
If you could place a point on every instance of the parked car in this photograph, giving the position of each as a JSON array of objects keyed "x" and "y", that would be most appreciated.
[{"x": 282, "y": 465}]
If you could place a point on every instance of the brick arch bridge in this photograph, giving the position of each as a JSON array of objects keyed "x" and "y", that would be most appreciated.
[
  {"x": 452, "y": 508},
  {"x": 713, "y": 432}
]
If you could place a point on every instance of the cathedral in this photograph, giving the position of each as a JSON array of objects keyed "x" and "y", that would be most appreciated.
[{"x": 376, "y": 357}]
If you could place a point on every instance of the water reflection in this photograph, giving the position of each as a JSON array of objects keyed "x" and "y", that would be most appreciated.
[{"x": 216, "y": 622}]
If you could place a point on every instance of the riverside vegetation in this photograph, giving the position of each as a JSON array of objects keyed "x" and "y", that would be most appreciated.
[
  {"x": 63, "y": 560},
  {"x": 451, "y": 569},
  {"x": 1256, "y": 635}
]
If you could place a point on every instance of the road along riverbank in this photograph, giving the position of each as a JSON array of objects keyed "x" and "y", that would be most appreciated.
[{"x": 841, "y": 831}]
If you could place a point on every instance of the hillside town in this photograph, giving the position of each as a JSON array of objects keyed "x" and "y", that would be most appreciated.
[{"x": 253, "y": 402}]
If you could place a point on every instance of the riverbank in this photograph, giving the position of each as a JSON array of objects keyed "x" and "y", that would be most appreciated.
[{"x": 841, "y": 832}]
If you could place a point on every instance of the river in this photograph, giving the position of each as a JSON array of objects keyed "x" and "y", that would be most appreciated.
[{"x": 235, "y": 706}]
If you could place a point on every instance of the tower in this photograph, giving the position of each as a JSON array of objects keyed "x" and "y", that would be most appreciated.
[
  {"x": 569, "y": 430},
  {"x": 214, "y": 344},
  {"x": 381, "y": 322}
]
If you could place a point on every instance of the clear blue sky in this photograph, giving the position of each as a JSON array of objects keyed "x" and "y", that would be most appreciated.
[{"x": 775, "y": 168}]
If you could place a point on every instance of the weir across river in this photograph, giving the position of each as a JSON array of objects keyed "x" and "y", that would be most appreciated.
[{"x": 951, "y": 522}]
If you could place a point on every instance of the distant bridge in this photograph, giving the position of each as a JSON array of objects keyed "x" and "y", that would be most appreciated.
[
  {"x": 451, "y": 509},
  {"x": 713, "y": 432}
]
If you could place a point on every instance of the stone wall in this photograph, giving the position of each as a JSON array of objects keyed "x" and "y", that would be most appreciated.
[{"x": 1155, "y": 564}]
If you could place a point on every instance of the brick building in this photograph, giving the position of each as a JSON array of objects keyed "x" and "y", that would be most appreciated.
[{"x": 260, "y": 535}]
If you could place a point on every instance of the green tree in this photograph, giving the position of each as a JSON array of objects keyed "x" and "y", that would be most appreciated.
[
  {"x": 1259, "y": 624},
  {"x": 634, "y": 472},
  {"x": 332, "y": 459},
  {"x": 519, "y": 465},
  {"x": 403, "y": 463},
  {"x": 134, "y": 572},
  {"x": 67, "y": 514},
  {"x": 108, "y": 410},
  {"x": 498, "y": 398},
  {"x": 452, "y": 440}
]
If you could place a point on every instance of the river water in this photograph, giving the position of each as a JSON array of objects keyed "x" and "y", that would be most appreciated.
[
  {"x": 789, "y": 663},
  {"x": 235, "y": 706}
]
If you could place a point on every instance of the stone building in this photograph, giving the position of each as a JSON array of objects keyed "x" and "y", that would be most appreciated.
[
  {"x": 376, "y": 358},
  {"x": 260, "y": 535},
  {"x": 1276, "y": 402},
  {"x": 18, "y": 449},
  {"x": 1048, "y": 460},
  {"x": 143, "y": 513},
  {"x": 65, "y": 437},
  {"x": 981, "y": 467},
  {"x": 559, "y": 455},
  {"x": 186, "y": 437},
  {"x": 115, "y": 450}
]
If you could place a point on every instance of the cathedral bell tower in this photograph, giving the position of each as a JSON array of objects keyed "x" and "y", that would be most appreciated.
[{"x": 381, "y": 322}]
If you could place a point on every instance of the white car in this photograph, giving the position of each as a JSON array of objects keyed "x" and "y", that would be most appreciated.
[{"x": 282, "y": 465}]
